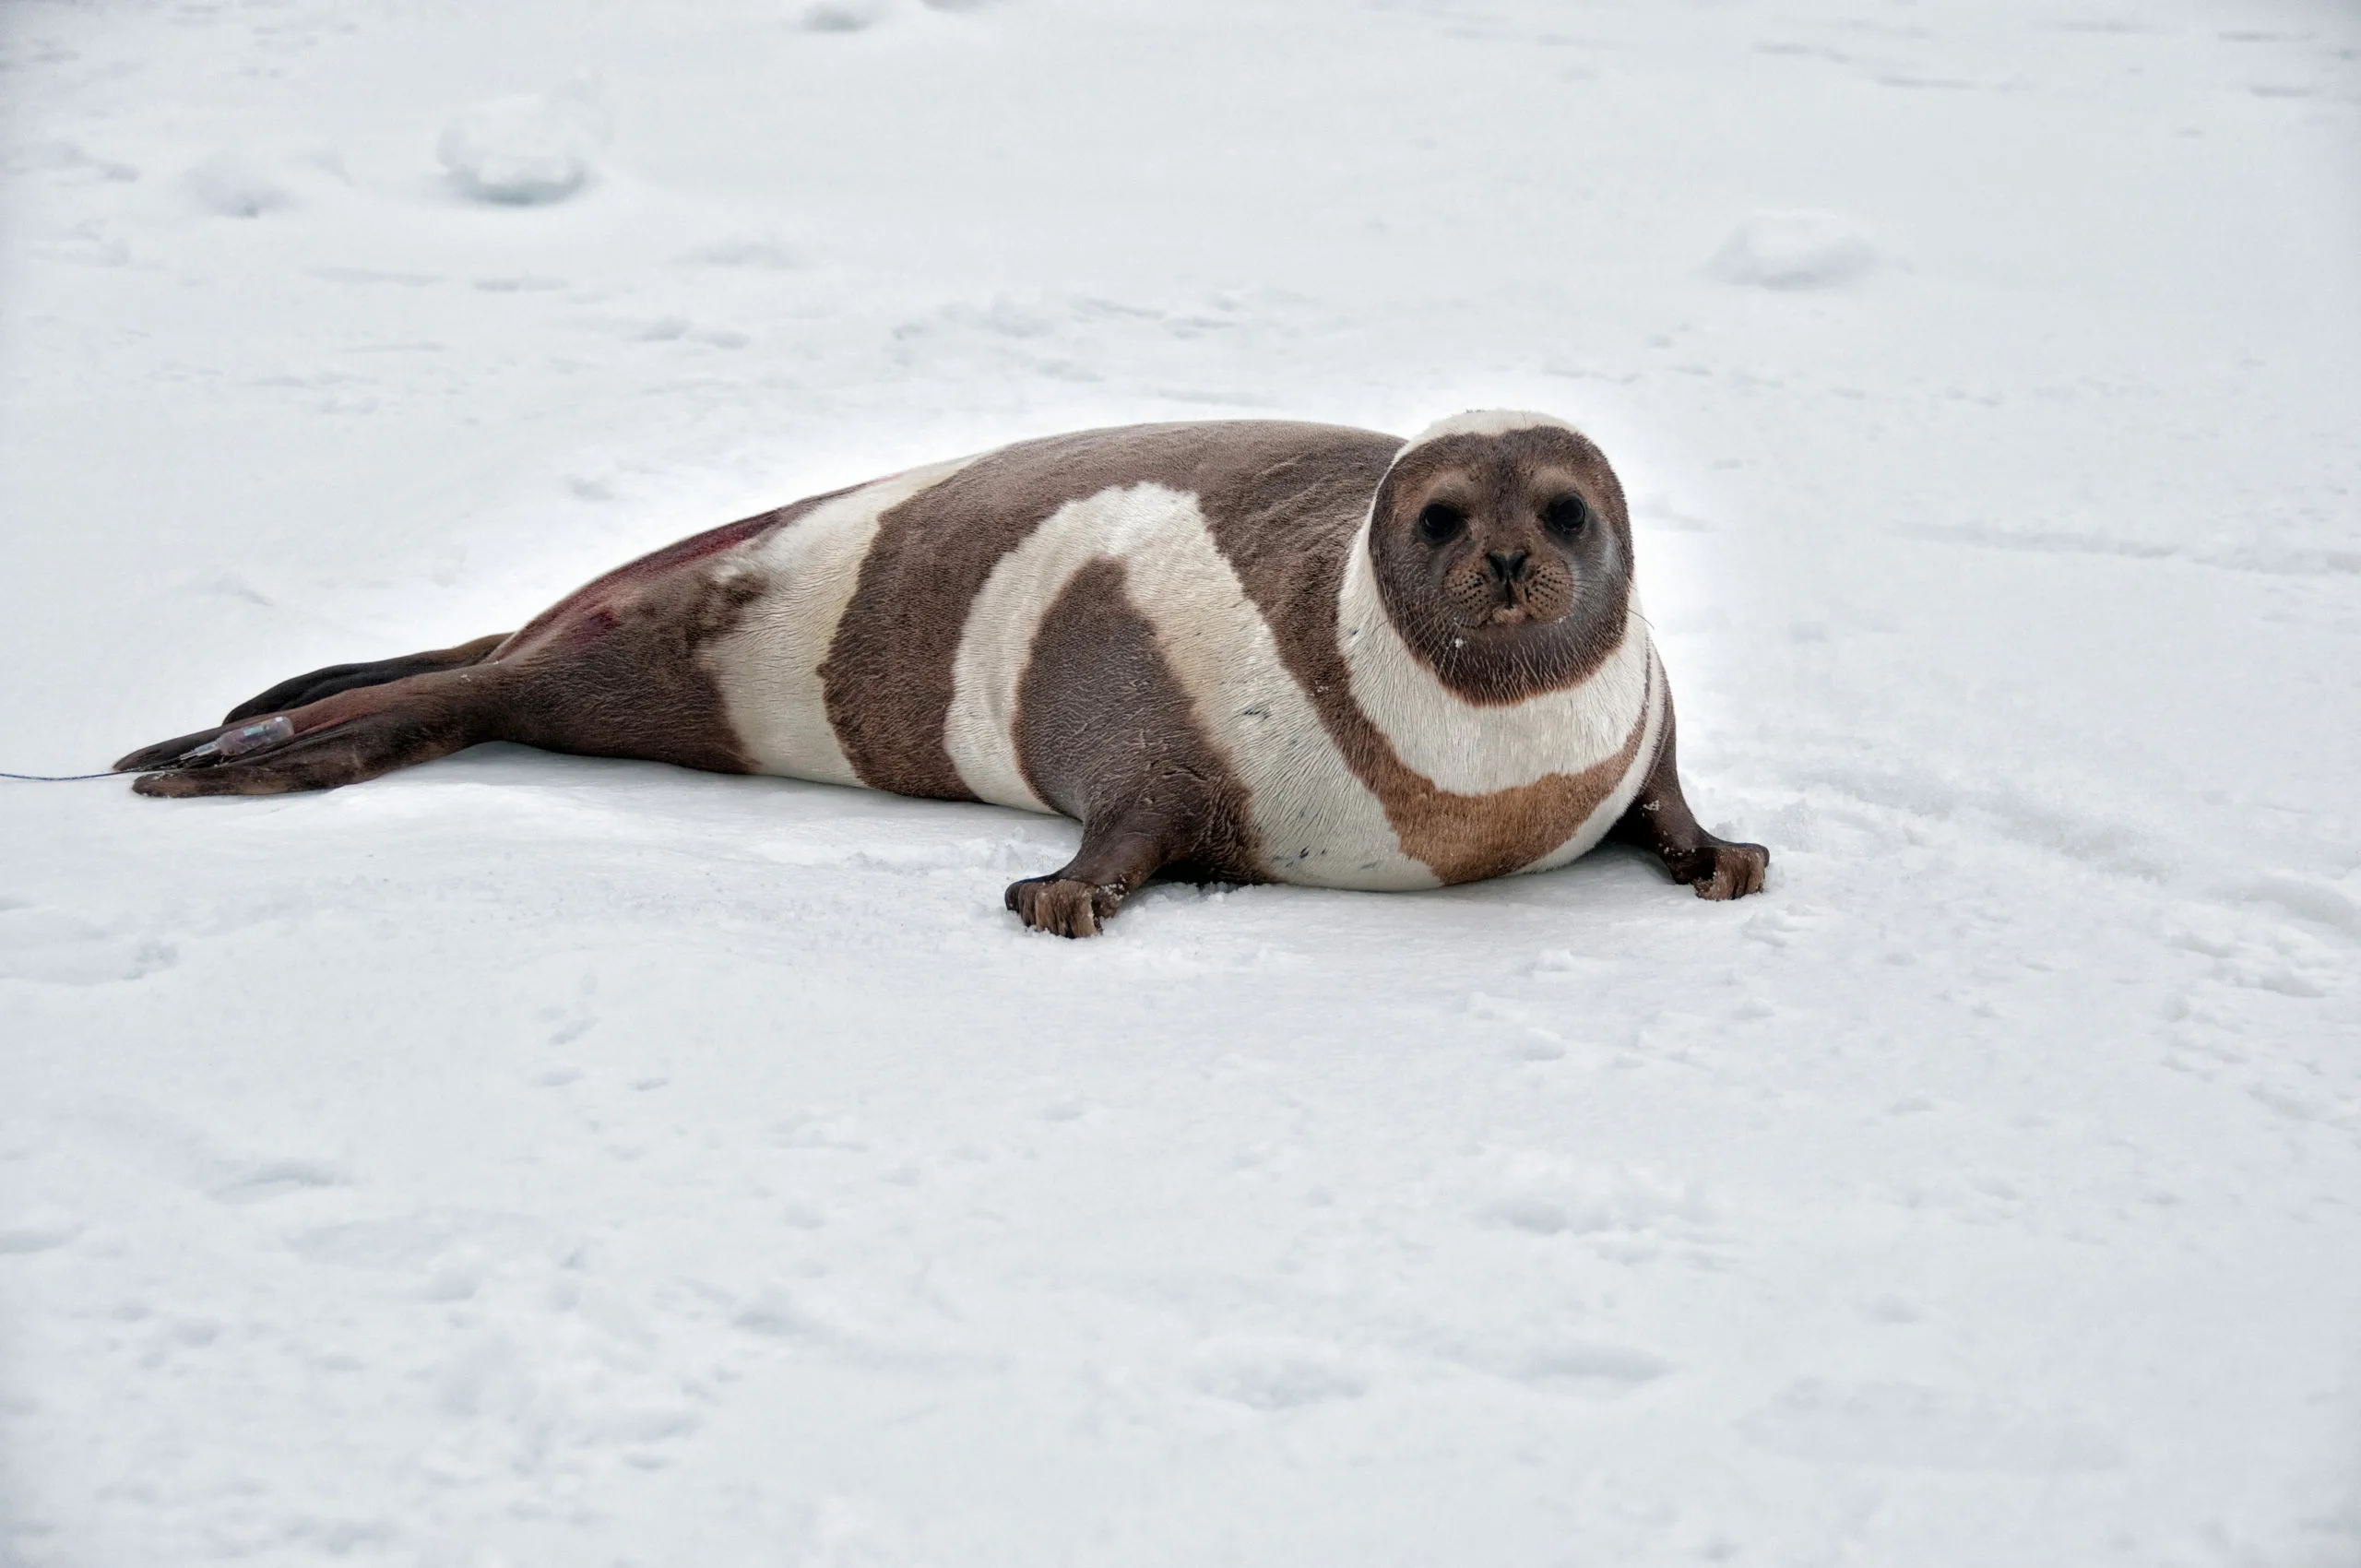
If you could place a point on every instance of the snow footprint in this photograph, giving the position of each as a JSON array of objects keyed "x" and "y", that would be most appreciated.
[
  {"x": 1795, "y": 251},
  {"x": 54, "y": 948},
  {"x": 1273, "y": 1375},
  {"x": 1905, "y": 1425},
  {"x": 38, "y": 1229},
  {"x": 1588, "y": 1368}
]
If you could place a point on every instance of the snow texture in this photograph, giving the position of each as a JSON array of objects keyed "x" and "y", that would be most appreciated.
[
  {"x": 230, "y": 184},
  {"x": 842, "y": 16},
  {"x": 526, "y": 148},
  {"x": 533, "y": 1159},
  {"x": 1795, "y": 250}
]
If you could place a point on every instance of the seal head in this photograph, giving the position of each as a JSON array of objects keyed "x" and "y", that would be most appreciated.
[{"x": 1502, "y": 549}]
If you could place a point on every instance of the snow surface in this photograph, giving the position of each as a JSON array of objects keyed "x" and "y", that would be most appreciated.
[
  {"x": 537, "y": 1160},
  {"x": 526, "y": 148}
]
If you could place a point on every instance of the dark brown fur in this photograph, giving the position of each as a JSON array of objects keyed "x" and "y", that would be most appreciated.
[
  {"x": 888, "y": 674},
  {"x": 327, "y": 682},
  {"x": 1105, "y": 733},
  {"x": 1570, "y": 595}
]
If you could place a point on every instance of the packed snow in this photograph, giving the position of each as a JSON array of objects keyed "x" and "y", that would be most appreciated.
[
  {"x": 1795, "y": 250},
  {"x": 526, "y": 148},
  {"x": 538, "y": 1161}
]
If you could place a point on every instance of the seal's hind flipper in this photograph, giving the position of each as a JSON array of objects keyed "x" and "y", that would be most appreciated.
[
  {"x": 327, "y": 683},
  {"x": 163, "y": 754},
  {"x": 339, "y": 740},
  {"x": 362, "y": 748}
]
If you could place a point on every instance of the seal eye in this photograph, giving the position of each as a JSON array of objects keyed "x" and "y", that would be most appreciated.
[
  {"x": 1567, "y": 516},
  {"x": 1440, "y": 522}
]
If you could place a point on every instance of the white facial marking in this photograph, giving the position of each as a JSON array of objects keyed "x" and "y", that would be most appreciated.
[
  {"x": 1471, "y": 748},
  {"x": 768, "y": 667},
  {"x": 1484, "y": 421}
]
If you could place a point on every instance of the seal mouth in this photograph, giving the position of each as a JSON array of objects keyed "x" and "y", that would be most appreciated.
[{"x": 1496, "y": 601}]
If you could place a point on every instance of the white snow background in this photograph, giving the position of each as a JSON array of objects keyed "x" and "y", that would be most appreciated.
[{"x": 537, "y": 1160}]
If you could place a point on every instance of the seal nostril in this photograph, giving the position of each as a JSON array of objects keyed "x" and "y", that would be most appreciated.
[{"x": 1508, "y": 564}]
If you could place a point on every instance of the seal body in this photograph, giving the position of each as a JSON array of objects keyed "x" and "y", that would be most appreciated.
[{"x": 1239, "y": 650}]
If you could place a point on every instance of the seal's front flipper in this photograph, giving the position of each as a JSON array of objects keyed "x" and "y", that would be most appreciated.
[
  {"x": 1081, "y": 896},
  {"x": 1660, "y": 821},
  {"x": 1064, "y": 905}
]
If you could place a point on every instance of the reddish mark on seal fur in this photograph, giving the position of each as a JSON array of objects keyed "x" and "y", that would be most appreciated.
[
  {"x": 1106, "y": 733},
  {"x": 315, "y": 684},
  {"x": 616, "y": 669},
  {"x": 622, "y": 676},
  {"x": 589, "y": 612},
  {"x": 613, "y": 669}
]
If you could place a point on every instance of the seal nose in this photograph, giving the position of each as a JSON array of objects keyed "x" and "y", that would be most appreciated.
[{"x": 1508, "y": 564}]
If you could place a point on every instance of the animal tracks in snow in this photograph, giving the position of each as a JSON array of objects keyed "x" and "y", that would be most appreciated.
[
  {"x": 1588, "y": 1368},
  {"x": 1273, "y": 1375},
  {"x": 2271, "y": 559},
  {"x": 38, "y": 1229},
  {"x": 267, "y": 1179},
  {"x": 1627, "y": 1214},
  {"x": 50, "y": 946},
  {"x": 1905, "y": 1425},
  {"x": 1798, "y": 250}
]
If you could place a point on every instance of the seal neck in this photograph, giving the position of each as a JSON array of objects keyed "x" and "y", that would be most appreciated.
[{"x": 1478, "y": 748}]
